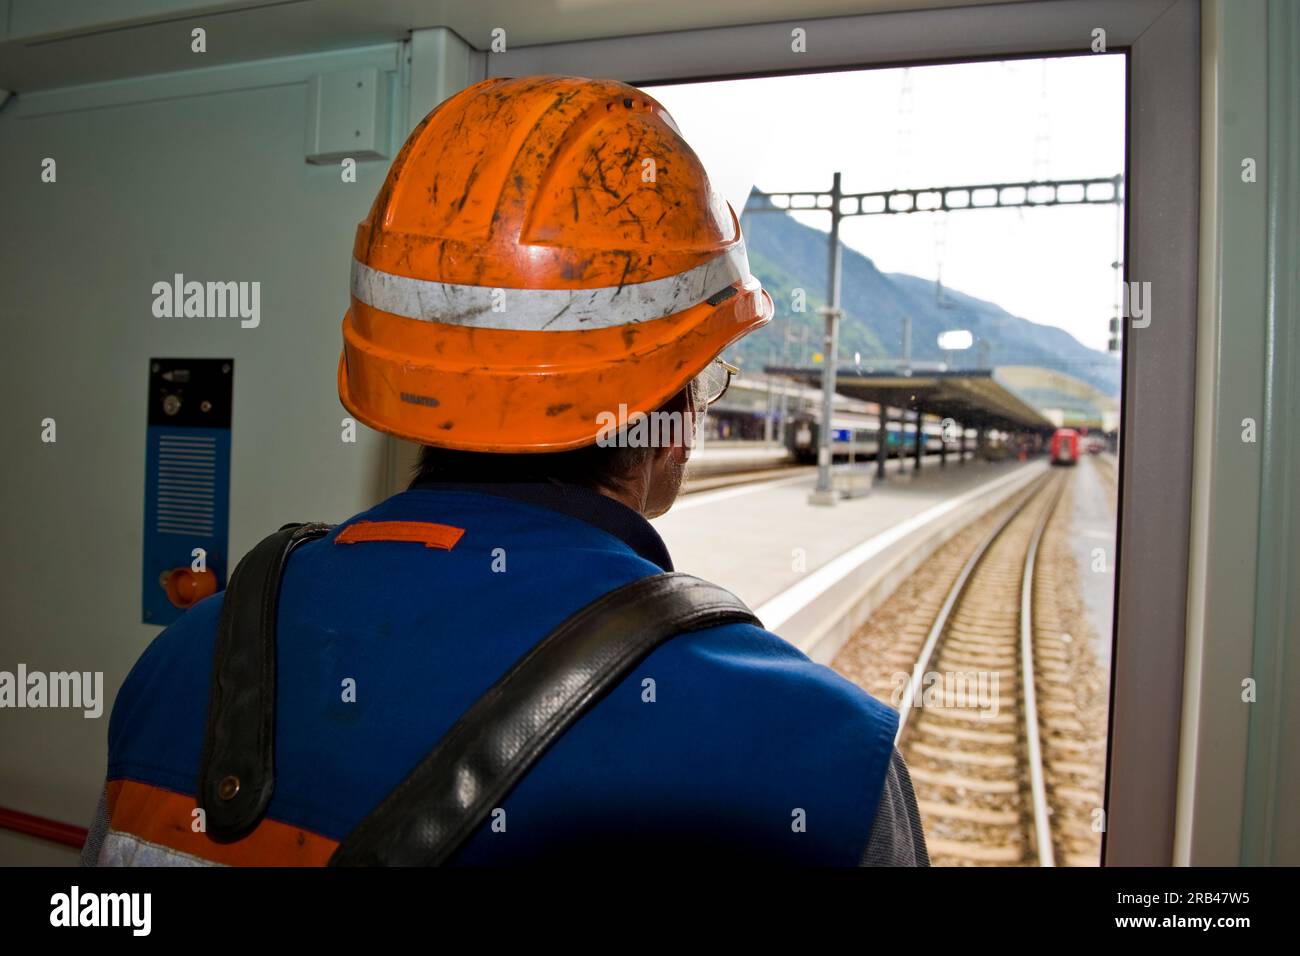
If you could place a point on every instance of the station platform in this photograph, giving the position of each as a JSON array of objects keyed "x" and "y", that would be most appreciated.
[
  {"x": 724, "y": 455},
  {"x": 1092, "y": 540},
  {"x": 814, "y": 573}
]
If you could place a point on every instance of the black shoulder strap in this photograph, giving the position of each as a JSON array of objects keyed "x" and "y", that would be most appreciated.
[
  {"x": 237, "y": 774},
  {"x": 451, "y": 791}
]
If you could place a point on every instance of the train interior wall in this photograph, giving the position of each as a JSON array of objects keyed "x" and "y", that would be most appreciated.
[{"x": 213, "y": 185}]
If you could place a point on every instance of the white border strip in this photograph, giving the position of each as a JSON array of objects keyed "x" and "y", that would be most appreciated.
[
  {"x": 547, "y": 310},
  {"x": 781, "y": 608}
]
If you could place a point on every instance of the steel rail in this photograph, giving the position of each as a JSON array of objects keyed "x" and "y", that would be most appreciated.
[
  {"x": 1033, "y": 743},
  {"x": 955, "y": 592}
]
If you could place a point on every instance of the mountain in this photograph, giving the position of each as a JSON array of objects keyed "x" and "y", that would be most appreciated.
[{"x": 786, "y": 255}]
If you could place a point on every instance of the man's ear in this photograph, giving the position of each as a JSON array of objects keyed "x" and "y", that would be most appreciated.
[{"x": 678, "y": 454}]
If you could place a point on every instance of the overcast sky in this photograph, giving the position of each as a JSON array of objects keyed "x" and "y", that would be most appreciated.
[{"x": 968, "y": 123}]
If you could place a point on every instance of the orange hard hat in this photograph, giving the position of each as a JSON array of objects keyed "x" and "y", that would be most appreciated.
[{"x": 543, "y": 251}]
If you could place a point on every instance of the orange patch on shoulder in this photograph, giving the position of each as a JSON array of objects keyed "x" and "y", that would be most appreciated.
[{"x": 428, "y": 533}]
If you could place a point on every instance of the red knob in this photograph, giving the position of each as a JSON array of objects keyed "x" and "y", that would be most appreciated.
[{"x": 185, "y": 586}]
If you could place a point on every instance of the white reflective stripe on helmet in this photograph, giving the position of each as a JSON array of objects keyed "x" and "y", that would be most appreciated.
[{"x": 547, "y": 310}]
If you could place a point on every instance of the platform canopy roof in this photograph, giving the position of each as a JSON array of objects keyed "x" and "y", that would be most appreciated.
[{"x": 972, "y": 397}]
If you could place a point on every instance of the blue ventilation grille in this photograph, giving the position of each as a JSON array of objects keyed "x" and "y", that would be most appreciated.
[
  {"x": 186, "y": 485},
  {"x": 186, "y": 506}
]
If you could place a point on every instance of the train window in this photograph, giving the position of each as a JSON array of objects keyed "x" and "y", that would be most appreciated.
[
  {"x": 1153, "y": 48},
  {"x": 964, "y": 570}
]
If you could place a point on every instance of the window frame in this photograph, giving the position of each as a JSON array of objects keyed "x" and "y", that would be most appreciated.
[{"x": 1161, "y": 39}]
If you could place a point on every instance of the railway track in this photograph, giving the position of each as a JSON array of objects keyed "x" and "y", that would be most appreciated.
[{"x": 1004, "y": 757}]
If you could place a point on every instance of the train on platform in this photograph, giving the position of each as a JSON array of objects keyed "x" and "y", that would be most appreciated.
[
  {"x": 857, "y": 436},
  {"x": 742, "y": 416},
  {"x": 1065, "y": 447}
]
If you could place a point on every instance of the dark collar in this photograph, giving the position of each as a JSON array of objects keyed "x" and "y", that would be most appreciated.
[{"x": 575, "y": 501}]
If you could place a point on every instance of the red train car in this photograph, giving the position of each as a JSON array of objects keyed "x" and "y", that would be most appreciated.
[{"x": 1065, "y": 447}]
